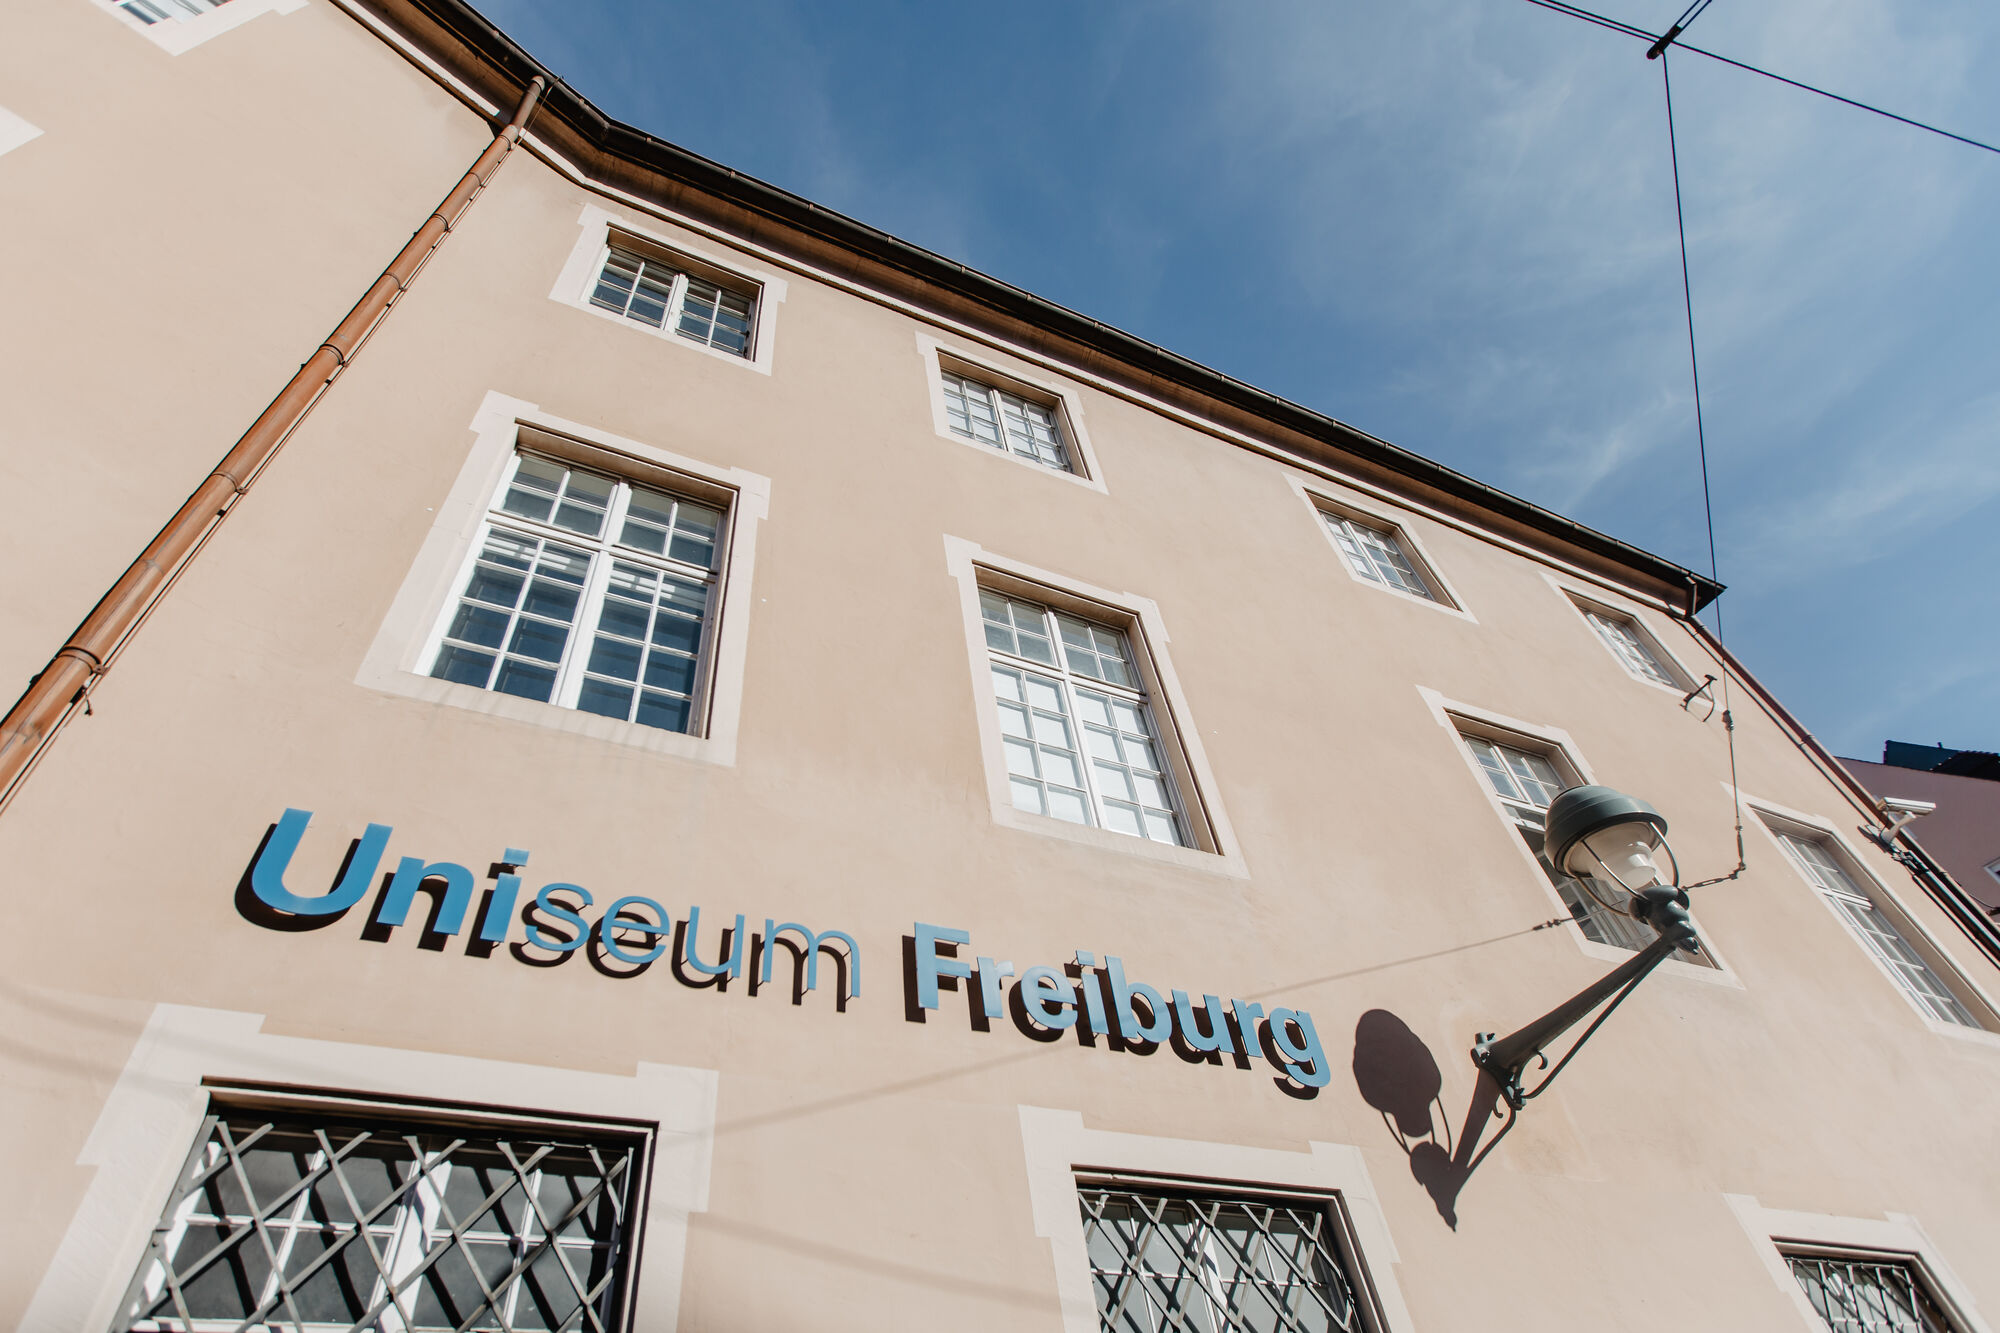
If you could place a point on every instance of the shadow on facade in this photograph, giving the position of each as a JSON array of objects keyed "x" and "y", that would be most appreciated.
[{"x": 1398, "y": 1076}]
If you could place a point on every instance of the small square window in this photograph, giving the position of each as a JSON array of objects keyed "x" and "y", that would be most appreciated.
[
  {"x": 334, "y": 1218},
  {"x": 663, "y": 293},
  {"x": 1166, "y": 1259},
  {"x": 1005, "y": 420},
  {"x": 1628, "y": 641},
  {"x": 1378, "y": 552},
  {"x": 1819, "y": 861},
  {"x": 591, "y": 592},
  {"x": 1525, "y": 779},
  {"x": 1867, "y": 1295}
]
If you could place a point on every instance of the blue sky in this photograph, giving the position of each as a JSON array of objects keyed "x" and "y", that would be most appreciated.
[{"x": 1450, "y": 223}]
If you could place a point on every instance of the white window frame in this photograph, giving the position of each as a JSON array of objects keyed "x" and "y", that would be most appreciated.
[
  {"x": 1325, "y": 504},
  {"x": 1460, "y": 719},
  {"x": 1893, "y": 1238},
  {"x": 1067, "y": 683},
  {"x": 1680, "y": 679},
  {"x": 399, "y": 660},
  {"x": 1062, "y": 400},
  {"x": 1775, "y": 820},
  {"x": 599, "y": 230},
  {"x": 604, "y": 551},
  {"x": 183, "y": 32},
  {"x": 1210, "y": 843},
  {"x": 1060, "y": 1152},
  {"x": 155, "y": 1110}
]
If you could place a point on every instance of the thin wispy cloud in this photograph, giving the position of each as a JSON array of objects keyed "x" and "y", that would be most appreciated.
[{"x": 1451, "y": 222}]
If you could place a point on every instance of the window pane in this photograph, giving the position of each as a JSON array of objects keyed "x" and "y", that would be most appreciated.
[
  {"x": 715, "y": 317},
  {"x": 1878, "y": 933}
]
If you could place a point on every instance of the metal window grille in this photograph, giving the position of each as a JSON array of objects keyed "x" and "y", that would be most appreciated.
[
  {"x": 587, "y": 592},
  {"x": 1201, "y": 1264},
  {"x": 1867, "y": 1296},
  {"x": 657, "y": 293},
  {"x": 1377, "y": 555},
  {"x": 1078, "y": 734},
  {"x": 1629, "y": 645},
  {"x": 1526, "y": 782},
  {"x": 165, "y": 11},
  {"x": 1878, "y": 933},
  {"x": 293, "y": 1222},
  {"x": 1004, "y": 421}
]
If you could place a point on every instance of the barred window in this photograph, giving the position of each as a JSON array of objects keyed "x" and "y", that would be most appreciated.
[
  {"x": 1198, "y": 1263},
  {"x": 1526, "y": 782},
  {"x": 1075, "y": 723},
  {"x": 1867, "y": 1295},
  {"x": 1005, "y": 421},
  {"x": 1630, "y": 645},
  {"x": 589, "y": 592},
  {"x": 1815, "y": 860},
  {"x": 1376, "y": 555},
  {"x": 297, "y": 1221},
  {"x": 664, "y": 295},
  {"x": 166, "y": 11}
]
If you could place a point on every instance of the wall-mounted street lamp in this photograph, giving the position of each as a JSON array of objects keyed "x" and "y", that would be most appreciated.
[{"x": 1595, "y": 835}]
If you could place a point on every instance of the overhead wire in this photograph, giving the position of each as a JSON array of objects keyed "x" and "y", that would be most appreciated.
[
  {"x": 1694, "y": 11},
  {"x": 1701, "y": 441}
]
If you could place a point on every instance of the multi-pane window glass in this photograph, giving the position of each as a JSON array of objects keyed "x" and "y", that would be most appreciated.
[
  {"x": 1175, "y": 1263},
  {"x": 165, "y": 11},
  {"x": 1526, "y": 782},
  {"x": 292, "y": 1222},
  {"x": 1078, "y": 734},
  {"x": 1004, "y": 421},
  {"x": 587, "y": 592},
  {"x": 1877, "y": 931},
  {"x": 1377, "y": 555},
  {"x": 1867, "y": 1296},
  {"x": 657, "y": 293},
  {"x": 1625, "y": 639}
]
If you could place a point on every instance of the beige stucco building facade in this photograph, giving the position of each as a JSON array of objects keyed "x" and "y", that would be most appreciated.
[{"x": 677, "y": 547}]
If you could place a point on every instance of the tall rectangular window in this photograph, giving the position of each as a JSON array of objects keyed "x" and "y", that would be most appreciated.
[
  {"x": 1003, "y": 420},
  {"x": 1867, "y": 1295},
  {"x": 1377, "y": 555},
  {"x": 1079, "y": 735},
  {"x": 303, "y": 1220},
  {"x": 666, "y": 296},
  {"x": 589, "y": 592},
  {"x": 1815, "y": 860},
  {"x": 1168, "y": 1261},
  {"x": 1526, "y": 782}
]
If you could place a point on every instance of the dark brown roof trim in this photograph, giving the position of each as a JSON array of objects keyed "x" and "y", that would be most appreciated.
[{"x": 581, "y": 121}]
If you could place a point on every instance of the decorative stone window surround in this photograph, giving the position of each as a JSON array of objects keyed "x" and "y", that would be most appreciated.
[
  {"x": 395, "y": 662},
  {"x": 155, "y": 1111},
  {"x": 1214, "y": 846}
]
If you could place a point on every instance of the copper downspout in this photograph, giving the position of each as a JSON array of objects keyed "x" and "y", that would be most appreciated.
[{"x": 60, "y": 686}]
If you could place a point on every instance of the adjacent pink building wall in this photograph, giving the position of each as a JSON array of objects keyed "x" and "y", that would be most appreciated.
[{"x": 1963, "y": 835}]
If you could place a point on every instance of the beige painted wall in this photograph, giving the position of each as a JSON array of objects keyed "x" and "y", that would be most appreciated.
[{"x": 867, "y": 1171}]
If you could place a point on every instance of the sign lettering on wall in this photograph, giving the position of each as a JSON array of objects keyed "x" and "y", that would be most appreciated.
[{"x": 1090, "y": 999}]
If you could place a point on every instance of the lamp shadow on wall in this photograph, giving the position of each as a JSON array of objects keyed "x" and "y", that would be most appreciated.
[{"x": 1398, "y": 1076}]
